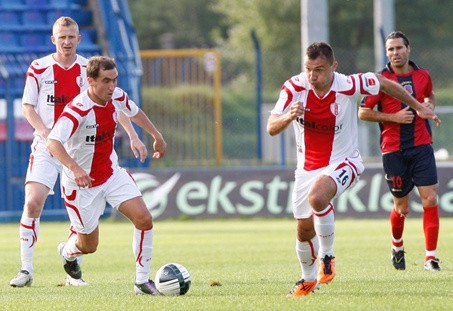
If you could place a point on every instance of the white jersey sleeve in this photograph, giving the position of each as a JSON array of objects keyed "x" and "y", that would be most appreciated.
[
  {"x": 290, "y": 92},
  {"x": 369, "y": 83},
  {"x": 122, "y": 102}
]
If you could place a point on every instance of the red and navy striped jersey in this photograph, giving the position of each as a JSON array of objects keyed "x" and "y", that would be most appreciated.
[{"x": 395, "y": 136}]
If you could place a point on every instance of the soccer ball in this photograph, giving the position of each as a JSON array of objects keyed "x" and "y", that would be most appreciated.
[{"x": 172, "y": 279}]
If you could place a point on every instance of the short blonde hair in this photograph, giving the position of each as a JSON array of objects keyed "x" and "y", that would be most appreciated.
[{"x": 64, "y": 21}]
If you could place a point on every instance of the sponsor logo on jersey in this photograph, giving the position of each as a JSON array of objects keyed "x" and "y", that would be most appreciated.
[
  {"x": 51, "y": 82},
  {"x": 59, "y": 100},
  {"x": 97, "y": 138},
  {"x": 321, "y": 128},
  {"x": 92, "y": 126}
]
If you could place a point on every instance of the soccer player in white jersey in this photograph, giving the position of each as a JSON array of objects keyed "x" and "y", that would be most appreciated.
[
  {"x": 52, "y": 81},
  {"x": 322, "y": 106},
  {"x": 83, "y": 141}
]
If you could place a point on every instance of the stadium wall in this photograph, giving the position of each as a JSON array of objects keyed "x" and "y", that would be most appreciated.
[
  {"x": 248, "y": 192},
  {"x": 200, "y": 193}
]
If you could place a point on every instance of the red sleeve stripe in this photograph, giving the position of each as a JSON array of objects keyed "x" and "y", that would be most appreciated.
[
  {"x": 351, "y": 91},
  {"x": 290, "y": 97},
  {"x": 297, "y": 88},
  {"x": 72, "y": 119},
  {"x": 121, "y": 98},
  {"x": 29, "y": 74},
  {"x": 362, "y": 89},
  {"x": 38, "y": 71},
  {"x": 127, "y": 104},
  {"x": 80, "y": 112}
]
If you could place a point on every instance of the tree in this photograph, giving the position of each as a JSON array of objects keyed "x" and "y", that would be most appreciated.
[
  {"x": 176, "y": 23},
  {"x": 277, "y": 24}
]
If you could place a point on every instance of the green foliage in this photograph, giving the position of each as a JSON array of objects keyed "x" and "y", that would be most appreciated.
[
  {"x": 277, "y": 25},
  {"x": 227, "y": 25},
  {"x": 351, "y": 23},
  {"x": 176, "y": 23},
  {"x": 253, "y": 260},
  {"x": 426, "y": 22}
]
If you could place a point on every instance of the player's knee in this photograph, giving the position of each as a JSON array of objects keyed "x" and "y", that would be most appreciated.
[
  {"x": 87, "y": 247},
  {"x": 403, "y": 210},
  {"x": 33, "y": 208},
  {"x": 90, "y": 249},
  {"x": 429, "y": 199},
  {"x": 305, "y": 234},
  {"x": 145, "y": 222},
  {"x": 316, "y": 201}
]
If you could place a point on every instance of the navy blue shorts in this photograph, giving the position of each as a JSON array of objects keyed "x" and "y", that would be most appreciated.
[{"x": 408, "y": 168}]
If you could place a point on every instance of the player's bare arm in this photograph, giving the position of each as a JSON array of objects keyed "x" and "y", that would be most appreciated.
[
  {"x": 278, "y": 123},
  {"x": 35, "y": 120},
  {"x": 404, "y": 116},
  {"x": 430, "y": 101},
  {"x": 145, "y": 123},
  {"x": 396, "y": 90},
  {"x": 137, "y": 146},
  {"x": 57, "y": 149}
]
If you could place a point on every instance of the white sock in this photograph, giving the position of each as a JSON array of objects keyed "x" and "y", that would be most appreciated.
[
  {"x": 430, "y": 253},
  {"x": 70, "y": 251},
  {"x": 307, "y": 255},
  {"x": 324, "y": 223},
  {"x": 142, "y": 245},
  {"x": 28, "y": 234},
  {"x": 73, "y": 235}
]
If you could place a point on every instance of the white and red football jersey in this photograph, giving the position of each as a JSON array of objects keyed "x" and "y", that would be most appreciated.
[
  {"x": 88, "y": 132},
  {"x": 49, "y": 86},
  {"x": 327, "y": 132}
]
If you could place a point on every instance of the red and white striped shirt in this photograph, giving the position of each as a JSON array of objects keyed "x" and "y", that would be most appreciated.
[
  {"x": 49, "y": 86},
  {"x": 87, "y": 131},
  {"x": 327, "y": 132}
]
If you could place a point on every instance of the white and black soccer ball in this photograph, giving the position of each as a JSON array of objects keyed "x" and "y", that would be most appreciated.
[{"x": 172, "y": 279}]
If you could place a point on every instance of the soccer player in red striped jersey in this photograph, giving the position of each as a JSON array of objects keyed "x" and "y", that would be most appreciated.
[
  {"x": 52, "y": 81},
  {"x": 322, "y": 105},
  {"x": 83, "y": 141},
  {"x": 407, "y": 154}
]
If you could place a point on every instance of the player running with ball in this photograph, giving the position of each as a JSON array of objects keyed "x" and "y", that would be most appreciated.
[
  {"x": 322, "y": 106},
  {"x": 83, "y": 141}
]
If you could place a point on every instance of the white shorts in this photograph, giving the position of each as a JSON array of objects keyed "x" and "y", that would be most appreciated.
[
  {"x": 86, "y": 205},
  {"x": 42, "y": 167},
  {"x": 344, "y": 174}
]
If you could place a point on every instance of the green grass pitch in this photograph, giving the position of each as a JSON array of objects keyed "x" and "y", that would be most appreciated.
[{"x": 253, "y": 260}]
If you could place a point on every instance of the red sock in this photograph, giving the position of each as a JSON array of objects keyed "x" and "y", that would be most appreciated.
[
  {"x": 397, "y": 224},
  {"x": 431, "y": 226}
]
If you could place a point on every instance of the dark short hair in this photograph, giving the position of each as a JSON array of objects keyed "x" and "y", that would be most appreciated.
[
  {"x": 98, "y": 63},
  {"x": 396, "y": 35},
  {"x": 318, "y": 49}
]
